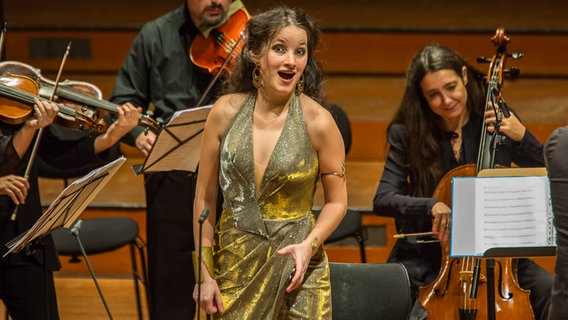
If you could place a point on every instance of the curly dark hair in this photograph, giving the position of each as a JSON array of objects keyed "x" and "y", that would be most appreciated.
[
  {"x": 422, "y": 125},
  {"x": 260, "y": 30}
]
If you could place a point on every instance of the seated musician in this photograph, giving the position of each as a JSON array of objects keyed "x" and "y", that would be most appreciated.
[{"x": 437, "y": 128}]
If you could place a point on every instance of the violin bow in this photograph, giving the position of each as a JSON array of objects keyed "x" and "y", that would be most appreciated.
[
  {"x": 40, "y": 130},
  {"x": 2, "y": 41}
]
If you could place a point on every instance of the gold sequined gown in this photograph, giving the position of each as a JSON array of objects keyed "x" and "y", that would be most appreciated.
[{"x": 252, "y": 277}]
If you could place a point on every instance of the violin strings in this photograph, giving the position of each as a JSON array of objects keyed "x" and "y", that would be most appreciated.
[{"x": 28, "y": 98}]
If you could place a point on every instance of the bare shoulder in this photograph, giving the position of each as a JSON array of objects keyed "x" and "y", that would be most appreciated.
[
  {"x": 226, "y": 107},
  {"x": 317, "y": 117}
]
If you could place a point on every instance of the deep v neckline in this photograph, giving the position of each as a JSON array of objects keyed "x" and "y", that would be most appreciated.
[{"x": 258, "y": 189}]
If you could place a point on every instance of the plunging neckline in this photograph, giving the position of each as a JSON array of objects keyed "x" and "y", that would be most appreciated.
[{"x": 258, "y": 189}]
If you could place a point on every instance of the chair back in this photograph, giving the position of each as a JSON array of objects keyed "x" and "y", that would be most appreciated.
[
  {"x": 343, "y": 124},
  {"x": 370, "y": 291}
]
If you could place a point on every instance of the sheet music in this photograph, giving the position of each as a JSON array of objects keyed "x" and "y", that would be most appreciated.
[
  {"x": 70, "y": 203},
  {"x": 500, "y": 212},
  {"x": 178, "y": 145}
]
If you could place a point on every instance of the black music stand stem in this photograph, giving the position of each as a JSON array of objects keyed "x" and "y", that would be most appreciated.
[
  {"x": 516, "y": 252},
  {"x": 75, "y": 232}
]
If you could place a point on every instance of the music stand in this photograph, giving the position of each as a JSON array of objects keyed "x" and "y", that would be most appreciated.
[
  {"x": 65, "y": 209},
  {"x": 508, "y": 252},
  {"x": 178, "y": 144}
]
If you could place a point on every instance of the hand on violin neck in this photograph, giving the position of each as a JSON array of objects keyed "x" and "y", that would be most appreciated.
[
  {"x": 128, "y": 116},
  {"x": 510, "y": 126},
  {"x": 44, "y": 114},
  {"x": 127, "y": 119}
]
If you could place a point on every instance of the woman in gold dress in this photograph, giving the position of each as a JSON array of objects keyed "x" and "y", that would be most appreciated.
[{"x": 265, "y": 145}]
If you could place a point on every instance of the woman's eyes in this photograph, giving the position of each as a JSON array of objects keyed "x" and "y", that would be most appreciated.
[{"x": 281, "y": 49}]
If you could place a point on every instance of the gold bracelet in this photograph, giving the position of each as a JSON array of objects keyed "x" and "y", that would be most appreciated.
[
  {"x": 207, "y": 257},
  {"x": 315, "y": 246}
]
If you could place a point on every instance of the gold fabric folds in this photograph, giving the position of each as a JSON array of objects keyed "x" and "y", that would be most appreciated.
[{"x": 252, "y": 277}]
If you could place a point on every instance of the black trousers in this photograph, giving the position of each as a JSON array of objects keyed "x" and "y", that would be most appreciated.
[
  {"x": 556, "y": 154},
  {"x": 26, "y": 285},
  {"x": 169, "y": 222}
]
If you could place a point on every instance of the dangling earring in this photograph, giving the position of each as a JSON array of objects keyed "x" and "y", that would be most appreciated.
[
  {"x": 300, "y": 85},
  {"x": 256, "y": 78}
]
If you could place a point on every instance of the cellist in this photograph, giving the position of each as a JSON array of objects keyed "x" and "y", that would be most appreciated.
[
  {"x": 159, "y": 71},
  {"x": 435, "y": 129}
]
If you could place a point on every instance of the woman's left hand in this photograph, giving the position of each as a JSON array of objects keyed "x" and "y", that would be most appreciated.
[
  {"x": 302, "y": 254},
  {"x": 128, "y": 116},
  {"x": 511, "y": 126},
  {"x": 44, "y": 114}
]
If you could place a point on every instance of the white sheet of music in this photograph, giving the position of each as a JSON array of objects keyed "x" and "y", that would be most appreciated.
[
  {"x": 70, "y": 203},
  {"x": 178, "y": 146},
  {"x": 500, "y": 212}
]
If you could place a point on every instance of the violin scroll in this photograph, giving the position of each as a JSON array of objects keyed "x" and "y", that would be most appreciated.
[{"x": 497, "y": 62}]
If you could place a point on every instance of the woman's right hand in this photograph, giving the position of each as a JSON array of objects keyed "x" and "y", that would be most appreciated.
[
  {"x": 441, "y": 219},
  {"x": 15, "y": 187},
  {"x": 211, "y": 300}
]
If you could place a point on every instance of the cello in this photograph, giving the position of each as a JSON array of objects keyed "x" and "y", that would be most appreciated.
[{"x": 465, "y": 287}]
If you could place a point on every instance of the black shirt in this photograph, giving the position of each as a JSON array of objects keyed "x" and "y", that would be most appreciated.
[
  {"x": 412, "y": 214},
  {"x": 158, "y": 70}
]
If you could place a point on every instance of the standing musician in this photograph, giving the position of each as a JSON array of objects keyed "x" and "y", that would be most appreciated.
[
  {"x": 437, "y": 128},
  {"x": 26, "y": 281},
  {"x": 158, "y": 71}
]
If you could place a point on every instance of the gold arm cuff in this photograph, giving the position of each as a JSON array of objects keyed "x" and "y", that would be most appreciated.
[
  {"x": 335, "y": 173},
  {"x": 207, "y": 257}
]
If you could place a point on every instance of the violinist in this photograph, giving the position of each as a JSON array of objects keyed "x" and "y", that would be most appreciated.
[
  {"x": 435, "y": 129},
  {"x": 158, "y": 71},
  {"x": 27, "y": 287}
]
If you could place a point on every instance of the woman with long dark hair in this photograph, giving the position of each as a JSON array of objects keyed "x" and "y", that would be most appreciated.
[
  {"x": 437, "y": 128},
  {"x": 266, "y": 143}
]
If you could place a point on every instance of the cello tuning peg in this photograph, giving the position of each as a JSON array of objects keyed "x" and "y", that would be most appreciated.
[
  {"x": 149, "y": 113},
  {"x": 483, "y": 60},
  {"x": 514, "y": 72},
  {"x": 515, "y": 55}
]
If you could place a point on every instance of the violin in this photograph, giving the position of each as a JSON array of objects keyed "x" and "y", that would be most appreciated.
[
  {"x": 79, "y": 95},
  {"x": 462, "y": 289},
  {"x": 17, "y": 95},
  {"x": 218, "y": 51}
]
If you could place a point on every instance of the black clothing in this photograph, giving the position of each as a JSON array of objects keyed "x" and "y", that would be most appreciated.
[
  {"x": 413, "y": 214},
  {"x": 556, "y": 151},
  {"x": 26, "y": 283},
  {"x": 158, "y": 71}
]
